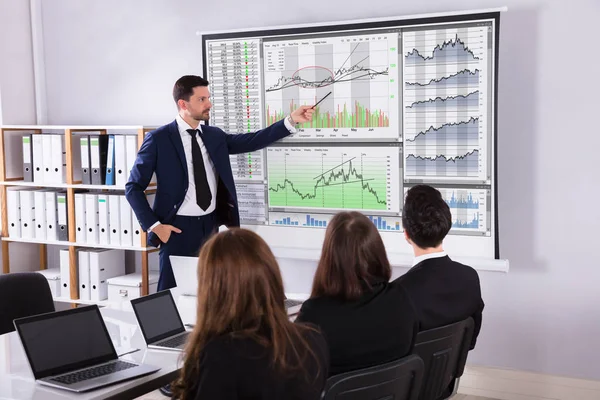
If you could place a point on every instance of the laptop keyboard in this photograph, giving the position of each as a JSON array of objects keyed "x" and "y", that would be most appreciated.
[
  {"x": 176, "y": 342},
  {"x": 291, "y": 303},
  {"x": 93, "y": 372}
]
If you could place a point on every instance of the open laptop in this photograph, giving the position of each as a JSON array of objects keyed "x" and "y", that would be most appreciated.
[
  {"x": 185, "y": 272},
  {"x": 160, "y": 321},
  {"x": 72, "y": 350}
]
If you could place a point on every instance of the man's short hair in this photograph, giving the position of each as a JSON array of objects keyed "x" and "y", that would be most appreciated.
[
  {"x": 426, "y": 216},
  {"x": 184, "y": 87}
]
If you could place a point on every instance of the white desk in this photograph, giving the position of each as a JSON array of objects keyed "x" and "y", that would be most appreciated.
[
  {"x": 186, "y": 305},
  {"x": 17, "y": 382}
]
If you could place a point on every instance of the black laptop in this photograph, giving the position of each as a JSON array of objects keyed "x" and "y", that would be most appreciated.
[
  {"x": 72, "y": 350},
  {"x": 160, "y": 321}
]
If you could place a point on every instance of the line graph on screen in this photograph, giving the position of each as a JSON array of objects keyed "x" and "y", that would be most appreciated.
[
  {"x": 360, "y": 71},
  {"x": 444, "y": 104}
]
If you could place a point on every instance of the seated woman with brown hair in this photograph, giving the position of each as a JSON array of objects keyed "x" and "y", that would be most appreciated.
[
  {"x": 366, "y": 320},
  {"x": 243, "y": 346}
]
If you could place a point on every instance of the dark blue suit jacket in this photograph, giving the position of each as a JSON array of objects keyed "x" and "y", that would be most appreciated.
[{"x": 162, "y": 153}]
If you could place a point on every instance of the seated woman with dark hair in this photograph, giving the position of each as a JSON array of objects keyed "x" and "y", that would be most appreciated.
[
  {"x": 243, "y": 345},
  {"x": 366, "y": 320}
]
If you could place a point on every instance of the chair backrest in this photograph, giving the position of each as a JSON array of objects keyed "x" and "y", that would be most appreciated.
[
  {"x": 23, "y": 294},
  {"x": 444, "y": 352},
  {"x": 396, "y": 380}
]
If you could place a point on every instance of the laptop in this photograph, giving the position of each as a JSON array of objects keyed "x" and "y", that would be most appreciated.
[
  {"x": 160, "y": 321},
  {"x": 292, "y": 306},
  {"x": 185, "y": 272},
  {"x": 72, "y": 350}
]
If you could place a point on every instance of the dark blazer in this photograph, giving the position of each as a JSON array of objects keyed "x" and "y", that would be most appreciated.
[
  {"x": 442, "y": 292},
  {"x": 240, "y": 368},
  {"x": 162, "y": 153},
  {"x": 379, "y": 327}
]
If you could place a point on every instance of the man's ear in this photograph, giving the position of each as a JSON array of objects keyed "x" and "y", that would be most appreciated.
[{"x": 181, "y": 104}]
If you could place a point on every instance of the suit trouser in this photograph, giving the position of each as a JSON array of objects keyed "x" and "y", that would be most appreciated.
[{"x": 195, "y": 231}]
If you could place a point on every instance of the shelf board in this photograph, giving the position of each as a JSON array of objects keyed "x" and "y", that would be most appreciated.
[
  {"x": 152, "y": 186},
  {"x": 38, "y": 241},
  {"x": 63, "y": 243},
  {"x": 109, "y": 246},
  {"x": 35, "y": 184},
  {"x": 96, "y": 187},
  {"x": 75, "y": 127}
]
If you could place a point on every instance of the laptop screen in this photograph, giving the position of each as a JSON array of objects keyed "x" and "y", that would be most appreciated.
[
  {"x": 63, "y": 341},
  {"x": 158, "y": 316}
]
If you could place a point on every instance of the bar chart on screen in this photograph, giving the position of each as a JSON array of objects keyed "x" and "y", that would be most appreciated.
[{"x": 470, "y": 209}]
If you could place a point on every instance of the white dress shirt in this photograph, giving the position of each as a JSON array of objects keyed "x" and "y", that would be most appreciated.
[
  {"x": 424, "y": 257},
  {"x": 189, "y": 207}
]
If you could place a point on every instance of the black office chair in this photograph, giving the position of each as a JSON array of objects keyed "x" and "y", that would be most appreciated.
[
  {"x": 23, "y": 294},
  {"x": 444, "y": 352},
  {"x": 397, "y": 380}
]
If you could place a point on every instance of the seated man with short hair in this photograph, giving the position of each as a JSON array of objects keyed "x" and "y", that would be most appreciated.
[{"x": 442, "y": 291}]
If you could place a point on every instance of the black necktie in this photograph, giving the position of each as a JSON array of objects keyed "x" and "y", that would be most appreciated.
[{"x": 203, "y": 195}]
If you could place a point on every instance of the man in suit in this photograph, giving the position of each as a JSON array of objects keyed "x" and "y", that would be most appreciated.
[
  {"x": 442, "y": 291},
  {"x": 195, "y": 191}
]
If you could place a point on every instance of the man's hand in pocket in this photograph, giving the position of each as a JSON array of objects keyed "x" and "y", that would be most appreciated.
[{"x": 163, "y": 231}]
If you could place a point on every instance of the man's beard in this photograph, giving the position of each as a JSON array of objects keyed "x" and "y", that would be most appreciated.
[{"x": 202, "y": 117}]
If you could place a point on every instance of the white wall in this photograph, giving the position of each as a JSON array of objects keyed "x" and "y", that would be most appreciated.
[
  {"x": 113, "y": 62},
  {"x": 17, "y": 100},
  {"x": 17, "y": 105}
]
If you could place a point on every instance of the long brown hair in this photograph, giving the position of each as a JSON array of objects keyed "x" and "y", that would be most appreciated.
[
  {"x": 353, "y": 256},
  {"x": 240, "y": 293}
]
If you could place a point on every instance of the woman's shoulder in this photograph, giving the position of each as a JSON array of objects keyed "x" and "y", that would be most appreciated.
[
  {"x": 317, "y": 308},
  {"x": 229, "y": 344},
  {"x": 316, "y": 343},
  {"x": 219, "y": 345}
]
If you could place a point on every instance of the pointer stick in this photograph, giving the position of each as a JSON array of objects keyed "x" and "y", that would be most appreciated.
[{"x": 321, "y": 100}]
